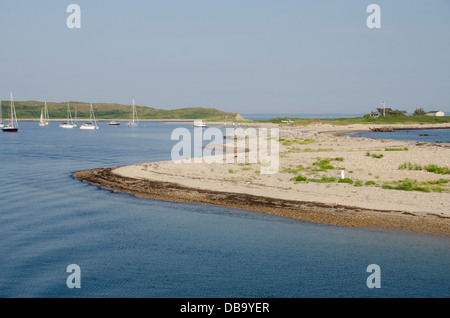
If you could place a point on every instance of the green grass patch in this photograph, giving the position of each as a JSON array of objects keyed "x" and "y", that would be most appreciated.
[
  {"x": 377, "y": 156},
  {"x": 437, "y": 169},
  {"x": 324, "y": 164},
  {"x": 346, "y": 180},
  {"x": 406, "y": 185},
  {"x": 324, "y": 179},
  {"x": 293, "y": 170},
  {"x": 396, "y": 149},
  {"x": 410, "y": 166},
  {"x": 440, "y": 181},
  {"x": 358, "y": 183},
  {"x": 299, "y": 178},
  {"x": 430, "y": 168}
]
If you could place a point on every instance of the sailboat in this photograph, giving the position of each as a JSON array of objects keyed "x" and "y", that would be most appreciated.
[
  {"x": 135, "y": 120},
  {"x": 44, "y": 116},
  {"x": 1, "y": 116},
  {"x": 41, "y": 120},
  {"x": 13, "y": 125},
  {"x": 90, "y": 125},
  {"x": 69, "y": 123}
]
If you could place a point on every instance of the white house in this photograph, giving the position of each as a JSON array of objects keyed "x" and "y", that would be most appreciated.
[{"x": 435, "y": 113}]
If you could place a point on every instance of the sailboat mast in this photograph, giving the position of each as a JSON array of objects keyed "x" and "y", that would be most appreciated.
[
  {"x": 12, "y": 115},
  {"x": 134, "y": 110},
  {"x": 46, "y": 112}
]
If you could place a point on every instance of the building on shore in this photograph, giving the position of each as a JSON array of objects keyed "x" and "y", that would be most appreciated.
[{"x": 435, "y": 113}]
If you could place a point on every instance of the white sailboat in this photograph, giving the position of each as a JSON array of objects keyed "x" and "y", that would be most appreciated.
[
  {"x": 135, "y": 120},
  {"x": 69, "y": 123},
  {"x": 13, "y": 125},
  {"x": 92, "y": 124},
  {"x": 41, "y": 120},
  {"x": 1, "y": 116},
  {"x": 46, "y": 117}
]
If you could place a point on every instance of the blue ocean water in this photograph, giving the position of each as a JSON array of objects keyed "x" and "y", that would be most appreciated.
[
  {"x": 425, "y": 135},
  {"x": 134, "y": 247}
]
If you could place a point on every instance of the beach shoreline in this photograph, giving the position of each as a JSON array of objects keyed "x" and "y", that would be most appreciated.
[{"x": 239, "y": 186}]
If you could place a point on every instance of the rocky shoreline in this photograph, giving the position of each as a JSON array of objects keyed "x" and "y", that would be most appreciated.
[{"x": 316, "y": 212}]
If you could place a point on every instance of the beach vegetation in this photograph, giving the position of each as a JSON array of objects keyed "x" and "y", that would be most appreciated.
[
  {"x": 414, "y": 185},
  {"x": 324, "y": 164},
  {"x": 323, "y": 179},
  {"x": 409, "y": 166},
  {"x": 440, "y": 181},
  {"x": 370, "y": 182},
  {"x": 377, "y": 156},
  {"x": 430, "y": 168},
  {"x": 293, "y": 170},
  {"x": 299, "y": 178},
  {"x": 406, "y": 185},
  {"x": 396, "y": 149},
  {"x": 306, "y": 141},
  {"x": 346, "y": 180},
  {"x": 436, "y": 169}
]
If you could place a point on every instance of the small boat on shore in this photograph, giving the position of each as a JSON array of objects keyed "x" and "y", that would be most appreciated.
[
  {"x": 199, "y": 123},
  {"x": 13, "y": 125}
]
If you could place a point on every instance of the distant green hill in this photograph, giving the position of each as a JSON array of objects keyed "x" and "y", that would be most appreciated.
[{"x": 107, "y": 111}]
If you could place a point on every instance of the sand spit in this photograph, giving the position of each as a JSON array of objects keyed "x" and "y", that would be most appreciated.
[{"x": 307, "y": 185}]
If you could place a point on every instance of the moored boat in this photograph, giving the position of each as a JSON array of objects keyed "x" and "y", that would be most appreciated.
[
  {"x": 92, "y": 124},
  {"x": 13, "y": 125}
]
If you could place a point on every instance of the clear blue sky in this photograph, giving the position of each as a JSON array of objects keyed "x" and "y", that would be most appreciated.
[{"x": 247, "y": 56}]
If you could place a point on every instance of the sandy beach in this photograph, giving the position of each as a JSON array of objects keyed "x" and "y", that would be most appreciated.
[{"x": 309, "y": 184}]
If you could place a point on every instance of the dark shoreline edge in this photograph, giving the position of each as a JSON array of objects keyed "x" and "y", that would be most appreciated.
[{"x": 315, "y": 212}]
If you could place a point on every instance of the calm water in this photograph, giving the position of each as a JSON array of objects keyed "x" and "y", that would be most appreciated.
[
  {"x": 428, "y": 135},
  {"x": 131, "y": 247}
]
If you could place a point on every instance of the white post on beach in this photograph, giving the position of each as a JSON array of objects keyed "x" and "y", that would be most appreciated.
[{"x": 342, "y": 174}]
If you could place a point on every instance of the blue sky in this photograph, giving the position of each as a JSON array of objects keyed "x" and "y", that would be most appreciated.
[{"x": 247, "y": 56}]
